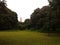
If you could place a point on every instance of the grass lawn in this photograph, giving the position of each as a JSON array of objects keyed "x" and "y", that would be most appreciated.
[{"x": 27, "y": 38}]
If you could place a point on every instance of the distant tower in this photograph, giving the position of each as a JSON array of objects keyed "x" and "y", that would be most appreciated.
[{"x": 20, "y": 19}]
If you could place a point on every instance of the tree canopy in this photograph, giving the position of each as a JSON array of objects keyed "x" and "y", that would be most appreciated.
[
  {"x": 48, "y": 17},
  {"x": 8, "y": 18}
]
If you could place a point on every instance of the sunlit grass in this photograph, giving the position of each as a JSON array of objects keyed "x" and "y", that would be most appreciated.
[{"x": 27, "y": 38}]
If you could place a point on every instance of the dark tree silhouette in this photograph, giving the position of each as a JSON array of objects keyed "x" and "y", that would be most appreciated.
[
  {"x": 48, "y": 17},
  {"x": 8, "y": 18}
]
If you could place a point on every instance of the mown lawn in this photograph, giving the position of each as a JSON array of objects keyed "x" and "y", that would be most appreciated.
[{"x": 27, "y": 38}]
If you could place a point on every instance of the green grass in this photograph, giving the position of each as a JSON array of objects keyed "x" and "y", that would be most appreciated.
[{"x": 27, "y": 38}]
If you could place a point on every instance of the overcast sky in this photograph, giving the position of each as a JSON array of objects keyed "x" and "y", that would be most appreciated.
[{"x": 24, "y": 8}]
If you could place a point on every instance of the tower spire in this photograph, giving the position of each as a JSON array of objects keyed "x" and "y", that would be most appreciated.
[{"x": 20, "y": 19}]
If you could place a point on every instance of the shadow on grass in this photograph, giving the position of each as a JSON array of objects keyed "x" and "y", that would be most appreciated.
[
  {"x": 53, "y": 34},
  {"x": 5, "y": 42}
]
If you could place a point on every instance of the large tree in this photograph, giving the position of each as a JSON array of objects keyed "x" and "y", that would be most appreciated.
[
  {"x": 48, "y": 17},
  {"x": 38, "y": 17},
  {"x": 8, "y": 18},
  {"x": 54, "y": 16}
]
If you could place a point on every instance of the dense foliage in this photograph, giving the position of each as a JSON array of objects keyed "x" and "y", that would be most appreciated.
[
  {"x": 24, "y": 25},
  {"x": 47, "y": 18},
  {"x": 8, "y": 18}
]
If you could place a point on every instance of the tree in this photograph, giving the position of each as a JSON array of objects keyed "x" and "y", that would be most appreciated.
[
  {"x": 27, "y": 24},
  {"x": 54, "y": 16},
  {"x": 8, "y": 18},
  {"x": 35, "y": 16},
  {"x": 38, "y": 17}
]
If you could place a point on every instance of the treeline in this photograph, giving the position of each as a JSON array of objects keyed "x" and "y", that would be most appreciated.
[{"x": 46, "y": 19}]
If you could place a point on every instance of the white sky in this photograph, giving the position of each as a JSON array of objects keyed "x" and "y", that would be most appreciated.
[{"x": 25, "y": 8}]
